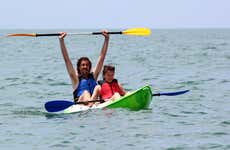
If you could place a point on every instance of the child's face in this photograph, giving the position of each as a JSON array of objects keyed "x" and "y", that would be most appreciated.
[{"x": 109, "y": 76}]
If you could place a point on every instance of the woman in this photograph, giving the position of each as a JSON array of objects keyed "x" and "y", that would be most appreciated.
[{"x": 83, "y": 80}]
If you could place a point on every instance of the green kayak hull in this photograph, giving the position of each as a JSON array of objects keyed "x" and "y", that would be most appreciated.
[{"x": 136, "y": 100}]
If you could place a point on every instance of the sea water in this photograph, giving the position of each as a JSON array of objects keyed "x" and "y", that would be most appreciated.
[{"x": 33, "y": 72}]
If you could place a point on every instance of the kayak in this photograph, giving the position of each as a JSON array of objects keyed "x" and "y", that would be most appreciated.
[{"x": 136, "y": 100}]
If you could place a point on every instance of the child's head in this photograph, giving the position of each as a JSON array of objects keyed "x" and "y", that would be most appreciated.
[{"x": 108, "y": 73}]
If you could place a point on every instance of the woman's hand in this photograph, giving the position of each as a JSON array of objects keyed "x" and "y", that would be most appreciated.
[
  {"x": 105, "y": 34},
  {"x": 62, "y": 35}
]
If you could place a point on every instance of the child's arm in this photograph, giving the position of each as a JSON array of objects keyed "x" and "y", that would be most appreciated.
[{"x": 123, "y": 92}]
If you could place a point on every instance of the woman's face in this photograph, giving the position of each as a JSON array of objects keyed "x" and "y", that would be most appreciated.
[{"x": 84, "y": 67}]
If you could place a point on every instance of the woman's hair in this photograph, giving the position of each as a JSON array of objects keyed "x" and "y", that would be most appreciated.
[
  {"x": 108, "y": 68},
  {"x": 79, "y": 63}
]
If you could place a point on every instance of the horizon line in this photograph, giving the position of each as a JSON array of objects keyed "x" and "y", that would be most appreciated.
[{"x": 112, "y": 28}]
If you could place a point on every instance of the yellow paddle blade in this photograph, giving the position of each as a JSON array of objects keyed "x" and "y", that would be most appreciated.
[
  {"x": 22, "y": 34},
  {"x": 137, "y": 31}
]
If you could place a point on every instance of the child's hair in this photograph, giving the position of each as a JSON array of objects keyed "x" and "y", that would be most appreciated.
[{"x": 108, "y": 68}]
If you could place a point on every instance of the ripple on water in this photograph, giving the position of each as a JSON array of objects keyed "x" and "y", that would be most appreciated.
[
  {"x": 28, "y": 111},
  {"x": 225, "y": 123}
]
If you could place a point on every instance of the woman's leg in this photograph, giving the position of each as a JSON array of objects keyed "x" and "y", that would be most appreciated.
[
  {"x": 96, "y": 93},
  {"x": 85, "y": 96}
]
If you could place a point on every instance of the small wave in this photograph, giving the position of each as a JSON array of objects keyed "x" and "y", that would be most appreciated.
[
  {"x": 176, "y": 148},
  {"x": 190, "y": 83},
  {"x": 29, "y": 112},
  {"x": 186, "y": 123},
  {"x": 223, "y": 44},
  {"x": 174, "y": 115},
  {"x": 7, "y": 104},
  {"x": 54, "y": 115},
  {"x": 58, "y": 146},
  {"x": 199, "y": 113},
  {"x": 23, "y": 113},
  {"x": 210, "y": 48},
  {"x": 219, "y": 133},
  {"x": 58, "y": 83},
  {"x": 224, "y": 81},
  {"x": 146, "y": 79},
  {"x": 12, "y": 79},
  {"x": 225, "y": 123},
  {"x": 211, "y": 146},
  {"x": 197, "y": 82},
  {"x": 32, "y": 83},
  {"x": 227, "y": 56},
  {"x": 33, "y": 111}
]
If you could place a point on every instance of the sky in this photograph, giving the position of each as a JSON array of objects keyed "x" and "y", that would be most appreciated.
[{"x": 17, "y": 14}]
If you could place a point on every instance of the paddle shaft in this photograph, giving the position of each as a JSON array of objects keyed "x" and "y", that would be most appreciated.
[
  {"x": 48, "y": 34},
  {"x": 86, "y": 102},
  {"x": 97, "y": 33},
  {"x": 157, "y": 94},
  {"x": 171, "y": 93},
  {"x": 57, "y": 34}
]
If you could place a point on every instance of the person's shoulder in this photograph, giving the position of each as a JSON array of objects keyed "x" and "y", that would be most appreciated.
[
  {"x": 91, "y": 75},
  {"x": 115, "y": 80},
  {"x": 100, "y": 82}
]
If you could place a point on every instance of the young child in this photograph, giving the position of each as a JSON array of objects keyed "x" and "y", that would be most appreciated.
[{"x": 108, "y": 88}]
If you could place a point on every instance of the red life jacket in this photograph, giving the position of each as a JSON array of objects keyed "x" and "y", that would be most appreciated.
[{"x": 108, "y": 89}]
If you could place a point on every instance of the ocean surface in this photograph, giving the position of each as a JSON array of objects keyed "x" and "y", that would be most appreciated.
[{"x": 33, "y": 72}]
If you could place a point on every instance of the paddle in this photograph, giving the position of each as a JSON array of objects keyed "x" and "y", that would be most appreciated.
[
  {"x": 59, "y": 105},
  {"x": 130, "y": 31},
  {"x": 171, "y": 93}
]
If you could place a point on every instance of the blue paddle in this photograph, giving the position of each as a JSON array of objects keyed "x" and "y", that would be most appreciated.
[
  {"x": 171, "y": 93},
  {"x": 59, "y": 105}
]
